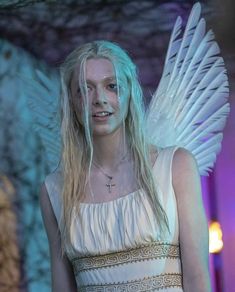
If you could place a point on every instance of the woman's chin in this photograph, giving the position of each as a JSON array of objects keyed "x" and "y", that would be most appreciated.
[{"x": 105, "y": 130}]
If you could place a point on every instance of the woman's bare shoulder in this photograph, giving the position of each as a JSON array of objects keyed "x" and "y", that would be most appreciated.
[
  {"x": 183, "y": 160},
  {"x": 184, "y": 169},
  {"x": 183, "y": 153}
]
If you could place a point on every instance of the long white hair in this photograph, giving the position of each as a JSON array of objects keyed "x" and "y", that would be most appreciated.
[{"x": 77, "y": 142}]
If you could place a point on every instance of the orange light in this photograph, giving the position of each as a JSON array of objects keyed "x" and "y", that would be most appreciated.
[{"x": 215, "y": 237}]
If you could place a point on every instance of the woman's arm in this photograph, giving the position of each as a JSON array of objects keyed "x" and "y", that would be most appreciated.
[
  {"x": 62, "y": 274},
  {"x": 192, "y": 223}
]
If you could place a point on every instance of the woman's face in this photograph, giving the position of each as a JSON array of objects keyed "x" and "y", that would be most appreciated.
[{"x": 106, "y": 109}]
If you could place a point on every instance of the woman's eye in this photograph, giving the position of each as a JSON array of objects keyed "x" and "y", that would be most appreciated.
[
  {"x": 113, "y": 86},
  {"x": 88, "y": 89}
]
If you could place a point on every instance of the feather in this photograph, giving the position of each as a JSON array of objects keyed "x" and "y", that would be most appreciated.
[
  {"x": 42, "y": 91},
  {"x": 190, "y": 107}
]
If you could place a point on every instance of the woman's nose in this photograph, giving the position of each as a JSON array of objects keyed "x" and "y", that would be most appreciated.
[{"x": 100, "y": 97}]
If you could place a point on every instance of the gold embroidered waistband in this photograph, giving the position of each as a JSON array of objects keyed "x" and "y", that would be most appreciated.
[
  {"x": 147, "y": 284},
  {"x": 147, "y": 252}
]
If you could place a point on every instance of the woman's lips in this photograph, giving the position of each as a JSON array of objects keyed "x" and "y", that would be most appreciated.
[{"x": 101, "y": 118}]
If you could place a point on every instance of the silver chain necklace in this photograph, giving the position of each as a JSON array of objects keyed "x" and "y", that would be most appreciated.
[{"x": 110, "y": 184}]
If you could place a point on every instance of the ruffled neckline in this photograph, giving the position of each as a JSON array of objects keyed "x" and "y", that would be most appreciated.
[{"x": 116, "y": 200}]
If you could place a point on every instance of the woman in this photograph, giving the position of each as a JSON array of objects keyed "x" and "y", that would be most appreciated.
[{"x": 119, "y": 213}]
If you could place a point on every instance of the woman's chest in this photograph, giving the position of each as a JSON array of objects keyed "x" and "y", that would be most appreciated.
[{"x": 105, "y": 186}]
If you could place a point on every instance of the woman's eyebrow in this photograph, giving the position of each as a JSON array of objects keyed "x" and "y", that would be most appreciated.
[
  {"x": 115, "y": 78},
  {"x": 110, "y": 78},
  {"x": 105, "y": 79}
]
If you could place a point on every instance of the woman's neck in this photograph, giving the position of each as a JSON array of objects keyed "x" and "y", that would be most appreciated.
[{"x": 109, "y": 150}]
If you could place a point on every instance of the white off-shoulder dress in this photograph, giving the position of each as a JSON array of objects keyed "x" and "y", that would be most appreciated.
[{"x": 117, "y": 243}]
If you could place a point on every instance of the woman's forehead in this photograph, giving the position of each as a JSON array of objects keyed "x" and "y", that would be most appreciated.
[{"x": 98, "y": 68}]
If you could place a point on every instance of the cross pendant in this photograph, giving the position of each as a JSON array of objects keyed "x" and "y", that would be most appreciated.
[{"x": 110, "y": 185}]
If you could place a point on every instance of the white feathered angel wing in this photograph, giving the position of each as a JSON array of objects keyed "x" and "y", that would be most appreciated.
[
  {"x": 43, "y": 91},
  {"x": 189, "y": 107}
]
